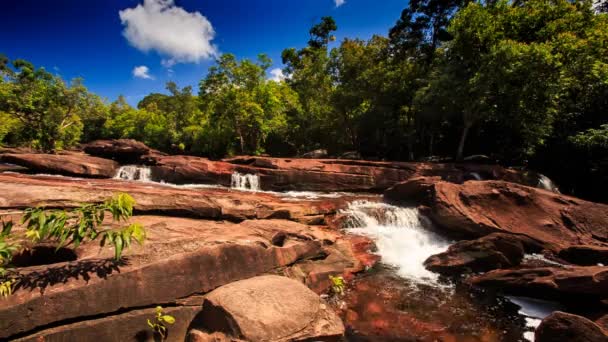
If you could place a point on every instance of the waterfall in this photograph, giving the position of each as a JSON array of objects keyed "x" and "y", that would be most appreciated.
[
  {"x": 245, "y": 182},
  {"x": 134, "y": 173},
  {"x": 399, "y": 234},
  {"x": 545, "y": 183}
]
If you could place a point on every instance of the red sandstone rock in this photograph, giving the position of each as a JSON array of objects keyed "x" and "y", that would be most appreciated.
[
  {"x": 576, "y": 283},
  {"x": 476, "y": 209},
  {"x": 270, "y": 308},
  {"x": 123, "y": 150},
  {"x": 181, "y": 258},
  {"x": 19, "y": 191},
  {"x": 73, "y": 164},
  {"x": 487, "y": 253},
  {"x": 561, "y": 327}
]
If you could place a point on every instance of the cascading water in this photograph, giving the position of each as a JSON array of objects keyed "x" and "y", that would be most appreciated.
[
  {"x": 399, "y": 234},
  {"x": 245, "y": 182},
  {"x": 546, "y": 183},
  {"x": 134, "y": 173}
]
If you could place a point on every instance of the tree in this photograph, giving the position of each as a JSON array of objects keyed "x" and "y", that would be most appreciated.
[
  {"x": 309, "y": 75},
  {"x": 242, "y": 105},
  {"x": 48, "y": 109}
]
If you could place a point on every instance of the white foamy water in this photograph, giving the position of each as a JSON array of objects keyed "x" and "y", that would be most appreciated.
[
  {"x": 245, "y": 182},
  {"x": 546, "y": 183},
  {"x": 134, "y": 173},
  {"x": 400, "y": 237},
  {"x": 534, "y": 311}
]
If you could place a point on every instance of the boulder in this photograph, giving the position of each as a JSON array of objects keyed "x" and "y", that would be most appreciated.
[
  {"x": 475, "y": 209},
  {"x": 487, "y": 253},
  {"x": 575, "y": 283},
  {"x": 73, "y": 164},
  {"x": 270, "y": 308},
  {"x": 122, "y": 150},
  {"x": 561, "y": 326}
]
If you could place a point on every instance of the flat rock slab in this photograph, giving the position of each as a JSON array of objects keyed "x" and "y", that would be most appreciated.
[
  {"x": 71, "y": 164},
  {"x": 270, "y": 308},
  {"x": 21, "y": 191},
  {"x": 573, "y": 283}
]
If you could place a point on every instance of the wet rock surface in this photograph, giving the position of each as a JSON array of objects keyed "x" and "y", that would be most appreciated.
[
  {"x": 561, "y": 326},
  {"x": 487, "y": 253},
  {"x": 574, "y": 283}
]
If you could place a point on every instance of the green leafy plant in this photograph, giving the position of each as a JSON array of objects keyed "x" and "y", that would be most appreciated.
[
  {"x": 72, "y": 227},
  {"x": 6, "y": 247},
  {"x": 86, "y": 223},
  {"x": 6, "y": 288},
  {"x": 337, "y": 285},
  {"x": 158, "y": 323}
]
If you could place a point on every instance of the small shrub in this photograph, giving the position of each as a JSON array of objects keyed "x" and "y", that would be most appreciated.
[
  {"x": 337, "y": 285},
  {"x": 72, "y": 227},
  {"x": 158, "y": 324}
]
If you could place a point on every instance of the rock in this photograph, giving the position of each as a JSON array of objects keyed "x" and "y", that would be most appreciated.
[
  {"x": 200, "y": 336},
  {"x": 487, "y": 253},
  {"x": 73, "y": 164},
  {"x": 479, "y": 159},
  {"x": 181, "y": 258},
  {"x": 352, "y": 155},
  {"x": 122, "y": 150},
  {"x": 270, "y": 308},
  {"x": 415, "y": 191},
  {"x": 575, "y": 283},
  {"x": 561, "y": 326},
  {"x": 316, "y": 154},
  {"x": 585, "y": 255},
  {"x": 129, "y": 326},
  {"x": 475, "y": 209},
  {"x": 20, "y": 191}
]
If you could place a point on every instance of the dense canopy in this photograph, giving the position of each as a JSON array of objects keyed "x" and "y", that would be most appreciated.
[{"x": 524, "y": 82}]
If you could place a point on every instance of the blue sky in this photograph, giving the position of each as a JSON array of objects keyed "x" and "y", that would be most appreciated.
[{"x": 169, "y": 39}]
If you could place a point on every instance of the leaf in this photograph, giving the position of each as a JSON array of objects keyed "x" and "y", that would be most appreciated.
[
  {"x": 168, "y": 318},
  {"x": 150, "y": 324},
  {"x": 118, "y": 244}
]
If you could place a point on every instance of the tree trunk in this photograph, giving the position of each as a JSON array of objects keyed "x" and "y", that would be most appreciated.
[{"x": 463, "y": 138}]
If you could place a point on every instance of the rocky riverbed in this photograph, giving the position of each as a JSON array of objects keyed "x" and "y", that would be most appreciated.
[{"x": 243, "y": 249}]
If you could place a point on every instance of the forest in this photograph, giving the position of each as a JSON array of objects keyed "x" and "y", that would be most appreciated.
[{"x": 524, "y": 82}]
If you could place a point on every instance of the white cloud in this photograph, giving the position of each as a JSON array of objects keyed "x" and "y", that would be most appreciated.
[
  {"x": 142, "y": 71},
  {"x": 178, "y": 35},
  {"x": 339, "y": 2},
  {"x": 277, "y": 75}
]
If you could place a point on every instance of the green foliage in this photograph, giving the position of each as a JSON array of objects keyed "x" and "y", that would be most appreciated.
[
  {"x": 6, "y": 288},
  {"x": 592, "y": 138},
  {"x": 158, "y": 324},
  {"x": 7, "y": 248},
  {"x": 243, "y": 106},
  {"x": 85, "y": 223},
  {"x": 337, "y": 285}
]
